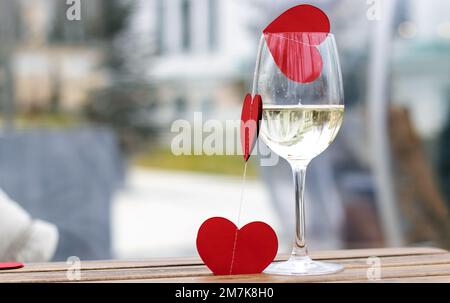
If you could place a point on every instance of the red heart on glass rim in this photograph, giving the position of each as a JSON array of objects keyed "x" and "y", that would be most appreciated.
[
  {"x": 300, "y": 61},
  {"x": 250, "y": 117},
  {"x": 11, "y": 265},
  {"x": 254, "y": 246},
  {"x": 302, "y": 18},
  {"x": 292, "y": 39}
]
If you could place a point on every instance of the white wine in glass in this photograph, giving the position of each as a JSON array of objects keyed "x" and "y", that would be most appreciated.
[
  {"x": 300, "y": 82},
  {"x": 300, "y": 132}
]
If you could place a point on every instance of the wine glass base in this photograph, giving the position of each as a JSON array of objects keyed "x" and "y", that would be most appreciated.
[{"x": 303, "y": 266}]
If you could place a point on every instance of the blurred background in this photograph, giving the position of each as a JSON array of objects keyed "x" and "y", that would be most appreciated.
[{"x": 87, "y": 107}]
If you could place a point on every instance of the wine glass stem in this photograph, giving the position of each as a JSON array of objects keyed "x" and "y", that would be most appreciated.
[{"x": 299, "y": 173}]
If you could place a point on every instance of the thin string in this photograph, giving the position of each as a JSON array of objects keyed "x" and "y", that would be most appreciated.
[
  {"x": 241, "y": 200},
  {"x": 244, "y": 177}
]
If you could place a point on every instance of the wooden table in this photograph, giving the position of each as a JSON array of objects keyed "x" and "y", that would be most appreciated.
[{"x": 397, "y": 265}]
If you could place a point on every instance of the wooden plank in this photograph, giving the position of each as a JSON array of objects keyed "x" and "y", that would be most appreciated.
[
  {"x": 397, "y": 261},
  {"x": 165, "y": 270},
  {"x": 354, "y": 266},
  {"x": 432, "y": 279},
  {"x": 109, "y": 264},
  {"x": 171, "y": 262},
  {"x": 106, "y": 275},
  {"x": 348, "y": 275},
  {"x": 378, "y": 252},
  {"x": 428, "y": 279}
]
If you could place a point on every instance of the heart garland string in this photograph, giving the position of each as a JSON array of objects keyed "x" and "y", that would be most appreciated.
[
  {"x": 241, "y": 199},
  {"x": 224, "y": 247}
]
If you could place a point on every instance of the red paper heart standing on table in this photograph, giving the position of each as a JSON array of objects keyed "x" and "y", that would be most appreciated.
[
  {"x": 227, "y": 250},
  {"x": 250, "y": 118}
]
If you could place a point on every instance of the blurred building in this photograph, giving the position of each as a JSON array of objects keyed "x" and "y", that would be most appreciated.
[
  {"x": 203, "y": 50},
  {"x": 52, "y": 64}
]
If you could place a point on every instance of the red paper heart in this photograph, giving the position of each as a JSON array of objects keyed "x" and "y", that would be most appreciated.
[
  {"x": 302, "y": 18},
  {"x": 300, "y": 29},
  {"x": 255, "y": 246},
  {"x": 250, "y": 118},
  {"x": 10, "y": 265},
  {"x": 299, "y": 60}
]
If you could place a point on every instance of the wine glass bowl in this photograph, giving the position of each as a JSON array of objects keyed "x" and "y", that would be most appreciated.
[
  {"x": 299, "y": 79},
  {"x": 300, "y": 132}
]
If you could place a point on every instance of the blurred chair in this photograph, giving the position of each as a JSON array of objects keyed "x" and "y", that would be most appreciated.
[
  {"x": 66, "y": 177},
  {"x": 419, "y": 198}
]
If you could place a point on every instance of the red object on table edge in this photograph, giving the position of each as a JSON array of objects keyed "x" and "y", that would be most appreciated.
[{"x": 11, "y": 265}]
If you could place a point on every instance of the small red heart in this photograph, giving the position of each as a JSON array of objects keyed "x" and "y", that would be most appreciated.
[
  {"x": 250, "y": 118},
  {"x": 10, "y": 265},
  {"x": 255, "y": 246}
]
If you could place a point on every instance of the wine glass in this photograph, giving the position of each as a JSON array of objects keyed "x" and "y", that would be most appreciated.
[{"x": 299, "y": 79}]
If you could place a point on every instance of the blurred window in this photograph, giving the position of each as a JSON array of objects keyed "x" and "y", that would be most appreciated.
[
  {"x": 64, "y": 30},
  {"x": 403, "y": 11},
  {"x": 180, "y": 105},
  {"x": 160, "y": 26},
  {"x": 212, "y": 29},
  {"x": 186, "y": 25},
  {"x": 207, "y": 106}
]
